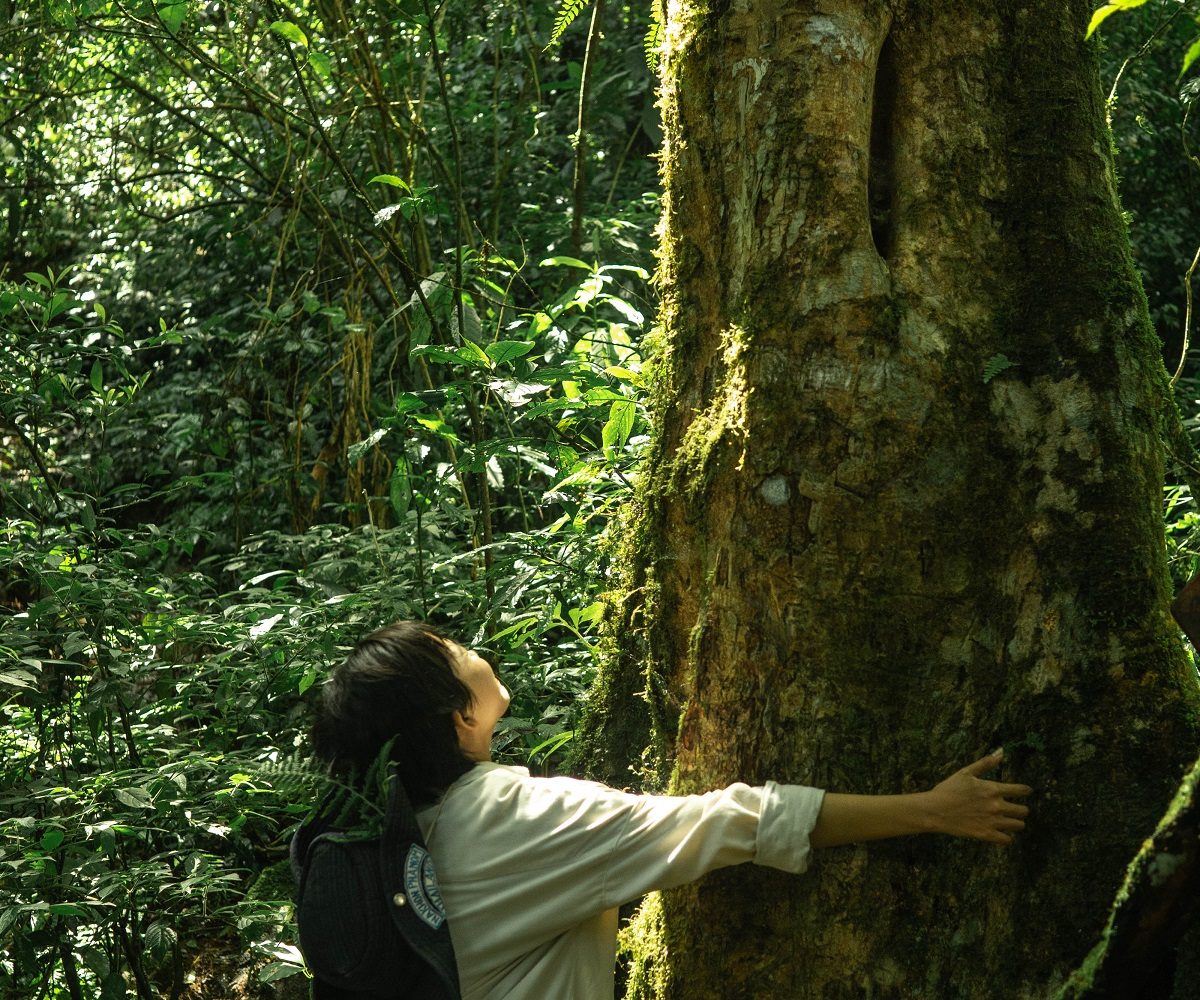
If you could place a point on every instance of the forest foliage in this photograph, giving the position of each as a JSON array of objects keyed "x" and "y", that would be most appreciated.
[{"x": 315, "y": 316}]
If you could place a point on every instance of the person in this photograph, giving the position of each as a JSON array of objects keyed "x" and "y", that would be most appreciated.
[{"x": 531, "y": 870}]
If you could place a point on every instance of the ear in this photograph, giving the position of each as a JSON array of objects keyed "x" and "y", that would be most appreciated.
[{"x": 464, "y": 726}]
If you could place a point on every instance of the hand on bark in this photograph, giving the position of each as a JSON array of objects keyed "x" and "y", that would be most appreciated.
[{"x": 967, "y": 805}]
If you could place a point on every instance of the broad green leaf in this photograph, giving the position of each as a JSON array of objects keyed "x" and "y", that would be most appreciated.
[
  {"x": 291, "y": 32},
  {"x": 67, "y": 910},
  {"x": 321, "y": 63},
  {"x": 438, "y": 427},
  {"x": 472, "y": 354},
  {"x": 506, "y": 350},
  {"x": 392, "y": 181},
  {"x": 516, "y": 393},
  {"x": 406, "y": 402},
  {"x": 564, "y": 262},
  {"x": 624, "y": 374},
  {"x": 620, "y": 424},
  {"x": 135, "y": 798},
  {"x": 159, "y": 937},
  {"x": 307, "y": 681},
  {"x": 1190, "y": 56},
  {"x": 358, "y": 451},
  {"x": 50, "y": 840},
  {"x": 1103, "y": 13},
  {"x": 59, "y": 303},
  {"x": 602, "y": 394},
  {"x": 38, "y": 279},
  {"x": 273, "y": 971},
  {"x": 173, "y": 14},
  {"x": 264, "y": 626},
  {"x": 435, "y": 353},
  {"x": 97, "y": 375}
]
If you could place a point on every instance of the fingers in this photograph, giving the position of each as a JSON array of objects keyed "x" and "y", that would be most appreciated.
[
  {"x": 1013, "y": 791},
  {"x": 985, "y": 764}
]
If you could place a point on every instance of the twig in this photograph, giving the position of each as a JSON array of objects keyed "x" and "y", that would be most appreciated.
[
  {"x": 1187, "y": 317},
  {"x": 580, "y": 181}
]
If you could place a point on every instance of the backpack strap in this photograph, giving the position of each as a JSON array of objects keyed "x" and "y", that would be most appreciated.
[
  {"x": 417, "y": 909},
  {"x": 371, "y": 921}
]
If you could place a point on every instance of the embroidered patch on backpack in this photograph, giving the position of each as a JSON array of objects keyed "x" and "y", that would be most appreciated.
[{"x": 420, "y": 885}]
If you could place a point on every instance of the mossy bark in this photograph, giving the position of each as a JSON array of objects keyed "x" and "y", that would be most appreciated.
[{"x": 856, "y": 564}]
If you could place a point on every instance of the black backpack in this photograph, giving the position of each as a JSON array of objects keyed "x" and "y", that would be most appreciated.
[{"x": 371, "y": 920}]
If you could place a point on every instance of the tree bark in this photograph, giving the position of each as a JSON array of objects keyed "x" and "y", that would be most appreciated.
[{"x": 865, "y": 551}]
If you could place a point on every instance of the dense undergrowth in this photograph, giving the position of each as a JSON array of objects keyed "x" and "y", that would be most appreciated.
[{"x": 312, "y": 319}]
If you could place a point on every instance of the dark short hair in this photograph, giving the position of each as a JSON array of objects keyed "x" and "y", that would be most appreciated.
[{"x": 399, "y": 685}]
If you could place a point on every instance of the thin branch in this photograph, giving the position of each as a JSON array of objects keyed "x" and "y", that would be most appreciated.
[{"x": 1187, "y": 317}]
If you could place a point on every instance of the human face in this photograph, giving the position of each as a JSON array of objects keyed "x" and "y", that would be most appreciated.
[{"x": 476, "y": 723}]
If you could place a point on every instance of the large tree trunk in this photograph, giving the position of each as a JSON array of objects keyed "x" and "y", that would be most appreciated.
[{"x": 858, "y": 560}]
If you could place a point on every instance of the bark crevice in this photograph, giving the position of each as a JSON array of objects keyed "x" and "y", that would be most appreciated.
[{"x": 881, "y": 177}]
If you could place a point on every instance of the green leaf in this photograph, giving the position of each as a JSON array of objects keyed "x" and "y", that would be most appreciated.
[
  {"x": 407, "y": 402},
  {"x": 172, "y": 15},
  {"x": 38, "y": 279},
  {"x": 435, "y": 353},
  {"x": 159, "y": 937},
  {"x": 290, "y": 31},
  {"x": 264, "y": 626},
  {"x": 67, "y": 910},
  {"x": 135, "y": 798},
  {"x": 506, "y": 350},
  {"x": 1103, "y": 13},
  {"x": 565, "y": 262},
  {"x": 620, "y": 424},
  {"x": 358, "y": 451},
  {"x": 996, "y": 364},
  {"x": 473, "y": 355},
  {"x": 51, "y": 839},
  {"x": 540, "y": 324},
  {"x": 273, "y": 971},
  {"x": 516, "y": 393},
  {"x": 1190, "y": 56},
  {"x": 321, "y": 64},
  {"x": 307, "y": 681},
  {"x": 439, "y": 427},
  {"x": 392, "y": 181},
  {"x": 399, "y": 489},
  {"x": 97, "y": 375}
]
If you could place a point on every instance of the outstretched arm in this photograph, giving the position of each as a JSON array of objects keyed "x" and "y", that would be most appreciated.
[{"x": 964, "y": 805}]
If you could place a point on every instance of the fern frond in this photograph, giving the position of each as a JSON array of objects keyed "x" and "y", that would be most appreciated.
[
  {"x": 568, "y": 10},
  {"x": 654, "y": 36},
  {"x": 996, "y": 364}
]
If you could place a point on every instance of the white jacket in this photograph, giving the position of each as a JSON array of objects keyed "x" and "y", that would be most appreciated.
[{"x": 532, "y": 870}]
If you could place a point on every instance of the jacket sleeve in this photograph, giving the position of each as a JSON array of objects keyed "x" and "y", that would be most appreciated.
[
  {"x": 670, "y": 840},
  {"x": 523, "y": 859}
]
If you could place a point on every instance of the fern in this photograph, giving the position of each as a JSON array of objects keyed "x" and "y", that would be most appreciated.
[
  {"x": 654, "y": 36},
  {"x": 293, "y": 777},
  {"x": 996, "y": 364},
  {"x": 567, "y": 12}
]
